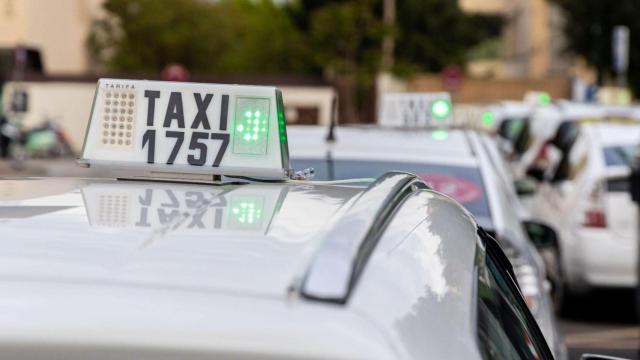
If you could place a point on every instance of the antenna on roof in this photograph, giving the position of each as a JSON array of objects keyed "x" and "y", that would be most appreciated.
[{"x": 331, "y": 136}]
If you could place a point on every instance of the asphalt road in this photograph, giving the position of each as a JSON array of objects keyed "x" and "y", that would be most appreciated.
[{"x": 602, "y": 322}]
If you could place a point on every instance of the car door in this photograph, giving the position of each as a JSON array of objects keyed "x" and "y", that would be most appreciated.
[
  {"x": 505, "y": 327},
  {"x": 621, "y": 217},
  {"x": 564, "y": 189}
]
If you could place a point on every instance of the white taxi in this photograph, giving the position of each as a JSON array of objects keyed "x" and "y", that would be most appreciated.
[
  {"x": 456, "y": 162},
  {"x": 533, "y": 136},
  {"x": 204, "y": 248},
  {"x": 586, "y": 196}
]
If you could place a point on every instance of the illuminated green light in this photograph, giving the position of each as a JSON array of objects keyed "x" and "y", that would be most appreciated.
[
  {"x": 488, "y": 118},
  {"x": 544, "y": 98},
  {"x": 252, "y": 115},
  {"x": 281, "y": 125},
  {"x": 440, "y": 109},
  {"x": 439, "y": 135},
  {"x": 246, "y": 212}
]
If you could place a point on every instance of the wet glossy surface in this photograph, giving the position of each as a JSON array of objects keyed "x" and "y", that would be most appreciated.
[
  {"x": 251, "y": 239},
  {"x": 197, "y": 271}
]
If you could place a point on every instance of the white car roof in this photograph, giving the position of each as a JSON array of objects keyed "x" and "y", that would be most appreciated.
[
  {"x": 514, "y": 109},
  {"x": 613, "y": 134},
  {"x": 169, "y": 270},
  {"x": 576, "y": 111},
  {"x": 383, "y": 144}
]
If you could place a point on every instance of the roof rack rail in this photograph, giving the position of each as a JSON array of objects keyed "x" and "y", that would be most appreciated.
[{"x": 338, "y": 264}]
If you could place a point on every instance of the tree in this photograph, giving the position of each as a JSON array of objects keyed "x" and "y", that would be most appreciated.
[
  {"x": 432, "y": 34},
  {"x": 227, "y": 36},
  {"x": 588, "y": 27},
  {"x": 346, "y": 38}
]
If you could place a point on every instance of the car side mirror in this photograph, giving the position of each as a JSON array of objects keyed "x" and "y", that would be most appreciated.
[
  {"x": 541, "y": 235},
  {"x": 525, "y": 187},
  {"x": 599, "y": 357}
]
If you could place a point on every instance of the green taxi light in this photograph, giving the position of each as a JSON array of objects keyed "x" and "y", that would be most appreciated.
[
  {"x": 488, "y": 118},
  {"x": 281, "y": 126},
  {"x": 246, "y": 212},
  {"x": 251, "y": 126},
  {"x": 440, "y": 109},
  {"x": 439, "y": 135},
  {"x": 544, "y": 99}
]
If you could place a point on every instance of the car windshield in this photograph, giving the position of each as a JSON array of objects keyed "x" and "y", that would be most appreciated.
[
  {"x": 619, "y": 155},
  {"x": 462, "y": 183},
  {"x": 514, "y": 127}
]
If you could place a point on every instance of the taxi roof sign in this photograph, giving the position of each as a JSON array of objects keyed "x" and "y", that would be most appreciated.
[
  {"x": 190, "y": 128},
  {"x": 415, "y": 109}
]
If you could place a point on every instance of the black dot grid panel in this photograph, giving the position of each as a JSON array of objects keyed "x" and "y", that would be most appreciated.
[{"x": 117, "y": 128}]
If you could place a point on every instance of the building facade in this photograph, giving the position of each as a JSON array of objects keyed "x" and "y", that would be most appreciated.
[
  {"x": 59, "y": 29},
  {"x": 532, "y": 40}
]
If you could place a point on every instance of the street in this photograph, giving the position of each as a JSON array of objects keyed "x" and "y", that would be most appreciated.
[{"x": 602, "y": 323}]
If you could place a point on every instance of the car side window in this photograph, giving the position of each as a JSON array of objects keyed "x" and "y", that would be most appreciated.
[{"x": 505, "y": 328}]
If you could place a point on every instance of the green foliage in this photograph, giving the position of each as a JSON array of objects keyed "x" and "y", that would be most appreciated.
[
  {"x": 588, "y": 29},
  {"x": 488, "y": 49},
  {"x": 335, "y": 37},
  {"x": 227, "y": 36},
  {"x": 435, "y": 33},
  {"x": 341, "y": 39},
  {"x": 346, "y": 38}
]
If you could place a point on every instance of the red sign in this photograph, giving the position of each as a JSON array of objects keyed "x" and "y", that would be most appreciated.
[
  {"x": 461, "y": 190},
  {"x": 452, "y": 77},
  {"x": 174, "y": 72}
]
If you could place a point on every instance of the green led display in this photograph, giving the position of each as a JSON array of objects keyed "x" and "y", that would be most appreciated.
[
  {"x": 439, "y": 135},
  {"x": 544, "y": 98},
  {"x": 282, "y": 131},
  {"x": 251, "y": 126},
  {"x": 281, "y": 126},
  {"x": 488, "y": 118},
  {"x": 440, "y": 109},
  {"x": 246, "y": 212}
]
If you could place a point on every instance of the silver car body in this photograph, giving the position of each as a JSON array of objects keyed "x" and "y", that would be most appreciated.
[
  {"x": 603, "y": 255},
  {"x": 545, "y": 121},
  {"x": 139, "y": 269},
  {"x": 462, "y": 148}
]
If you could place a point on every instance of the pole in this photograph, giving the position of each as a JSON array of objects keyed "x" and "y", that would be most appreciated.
[
  {"x": 388, "y": 43},
  {"x": 620, "y": 53}
]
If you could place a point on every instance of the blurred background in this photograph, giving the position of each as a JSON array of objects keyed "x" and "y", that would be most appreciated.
[
  {"x": 482, "y": 51},
  {"x": 333, "y": 60}
]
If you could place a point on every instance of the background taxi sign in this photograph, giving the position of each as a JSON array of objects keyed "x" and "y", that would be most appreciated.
[
  {"x": 174, "y": 127},
  {"x": 415, "y": 109}
]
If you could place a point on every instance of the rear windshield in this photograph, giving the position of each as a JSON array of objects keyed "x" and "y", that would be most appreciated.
[
  {"x": 512, "y": 127},
  {"x": 618, "y": 185},
  {"x": 462, "y": 183},
  {"x": 619, "y": 155}
]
